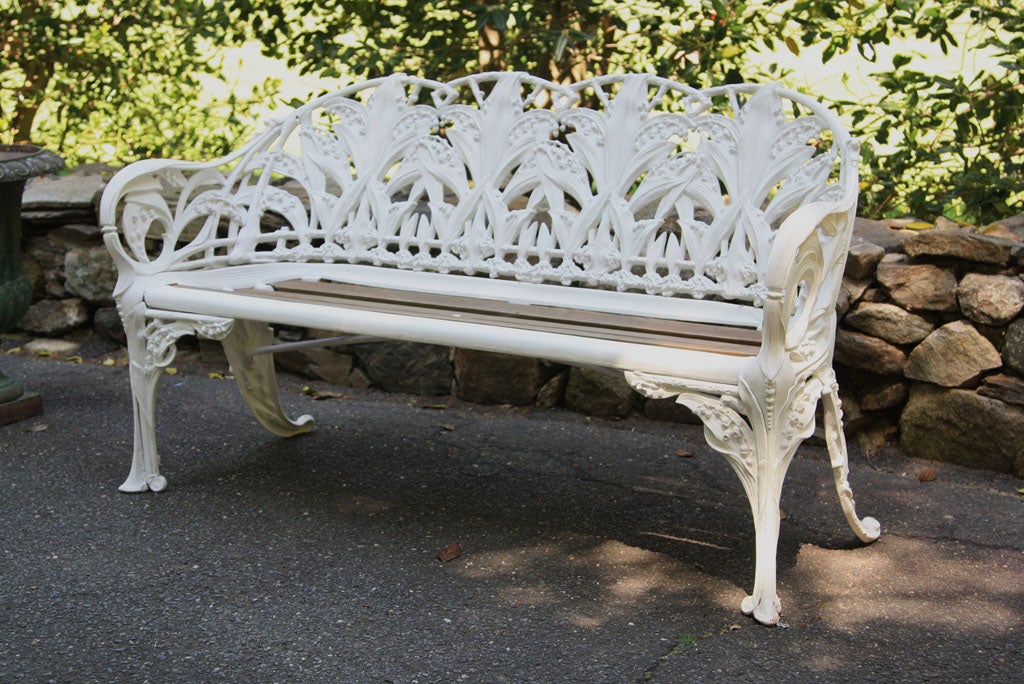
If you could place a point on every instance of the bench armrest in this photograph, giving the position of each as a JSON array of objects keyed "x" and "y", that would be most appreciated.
[
  {"x": 803, "y": 277},
  {"x": 140, "y": 212}
]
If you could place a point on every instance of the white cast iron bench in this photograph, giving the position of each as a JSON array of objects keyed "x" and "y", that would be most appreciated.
[{"x": 693, "y": 240}]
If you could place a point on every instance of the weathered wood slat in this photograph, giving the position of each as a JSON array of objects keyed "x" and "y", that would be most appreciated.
[{"x": 729, "y": 340}]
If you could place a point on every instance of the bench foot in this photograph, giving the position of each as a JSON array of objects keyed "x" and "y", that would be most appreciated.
[
  {"x": 867, "y": 529},
  {"x": 257, "y": 378}
]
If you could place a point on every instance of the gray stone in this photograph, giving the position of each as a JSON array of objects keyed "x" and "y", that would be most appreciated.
[
  {"x": 895, "y": 258},
  {"x": 487, "y": 378},
  {"x": 552, "y": 392},
  {"x": 944, "y": 224},
  {"x": 880, "y": 394},
  {"x": 1013, "y": 347},
  {"x": 961, "y": 245},
  {"x": 211, "y": 352},
  {"x": 49, "y": 218},
  {"x": 961, "y": 426},
  {"x": 54, "y": 317},
  {"x": 329, "y": 365},
  {"x": 73, "y": 191},
  {"x": 879, "y": 233},
  {"x": 1006, "y": 388},
  {"x": 90, "y": 273},
  {"x": 888, "y": 322},
  {"x": 670, "y": 411},
  {"x": 107, "y": 322},
  {"x": 51, "y": 347},
  {"x": 952, "y": 356},
  {"x": 318, "y": 363},
  {"x": 407, "y": 367},
  {"x": 76, "y": 235},
  {"x": 599, "y": 394},
  {"x": 50, "y": 261},
  {"x": 868, "y": 353},
  {"x": 1012, "y": 225},
  {"x": 990, "y": 299},
  {"x": 854, "y": 418},
  {"x": 358, "y": 379},
  {"x": 999, "y": 231},
  {"x": 919, "y": 287},
  {"x": 863, "y": 258}
]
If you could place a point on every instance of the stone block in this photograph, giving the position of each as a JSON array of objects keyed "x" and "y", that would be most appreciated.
[
  {"x": 880, "y": 394},
  {"x": 888, "y": 322},
  {"x": 487, "y": 378},
  {"x": 960, "y": 245},
  {"x": 963, "y": 427},
  {"x": 89, "y": 272},
  {"x": 952, "y": 356},
  {"x": 407, "y": 367},
  {"x": 919, "y": 287},
  {"x": 863, "y": 258},
  {"x": 1013, "y": 347},
  {"x": 668, "y": 410},
  {"x": 880, "y": 233},
  {"x": 868, "y": 353},
  {"x": 552, "y": 392},
  {"x": 599, "y": 394},
  {"x": 54, "y": 317},
  {"x": 1005, "y": 388},
  {"x": 107, "y": 322},
  {"x": 73, "y": 191},
  {"x": 990, "y": 299}
]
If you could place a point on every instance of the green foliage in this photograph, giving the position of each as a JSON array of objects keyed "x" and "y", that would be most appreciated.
[
  {"x": 937, "y": 143},
  {"x": 115, "y": 80},
  {"x": 943, "y": 144},
  {"x": 118, "y": 80}
]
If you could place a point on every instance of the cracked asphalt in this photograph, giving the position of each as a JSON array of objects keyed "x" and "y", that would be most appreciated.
[{"x": 591, "y": 551}]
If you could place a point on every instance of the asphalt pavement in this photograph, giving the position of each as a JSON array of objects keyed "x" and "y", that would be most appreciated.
[{"x": 591, "y": 550}]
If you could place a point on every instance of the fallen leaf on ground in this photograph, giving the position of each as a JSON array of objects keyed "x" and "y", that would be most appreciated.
[
  {"x": 73, "y": 359},
  {"x": 319, "y": 395},
  {"x": 783, "y": 515},
  {"x": 109, "y": 361},
  {"x": 926, "y": 475},
  {"x": 447, "y": 427},
  {"x": 38, "y": 427},
  {"x": 43, "y": 352},
  {"x": 171, "y": 370},
  {"x": 684, "y": 453},
  {"x": 450, "y": 552},
  {"x": 13, "y": 350},
  {"x": 435, "y": 407},
  {"x": 1020, "y": 490},
  {"x": 216, "y": 375}
]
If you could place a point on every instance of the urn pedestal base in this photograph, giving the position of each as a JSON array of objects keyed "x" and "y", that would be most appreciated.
[{"x": 27, "y": 405}]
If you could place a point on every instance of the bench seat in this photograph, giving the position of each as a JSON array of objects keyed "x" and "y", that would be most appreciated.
[{"x": 624, "y": 331}]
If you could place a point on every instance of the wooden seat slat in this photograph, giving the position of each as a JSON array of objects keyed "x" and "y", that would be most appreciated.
[{"x": 727, "y": 340}]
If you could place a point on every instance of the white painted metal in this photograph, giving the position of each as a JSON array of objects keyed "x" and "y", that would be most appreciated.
[{"x": 623, "y": 194}]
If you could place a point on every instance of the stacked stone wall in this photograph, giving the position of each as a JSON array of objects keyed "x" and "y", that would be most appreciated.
[{"x": 930, "y": 345}]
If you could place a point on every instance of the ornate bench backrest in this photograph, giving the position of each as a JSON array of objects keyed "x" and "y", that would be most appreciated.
[{"x": 625, "y": 182}]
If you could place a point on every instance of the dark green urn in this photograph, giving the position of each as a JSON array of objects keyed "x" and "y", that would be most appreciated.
[{"x": 18, "y": 163}]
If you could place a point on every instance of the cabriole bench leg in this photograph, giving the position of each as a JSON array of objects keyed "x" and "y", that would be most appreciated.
[
  {"x": 257, "y": 379},
  {"x": 151, "y": 348},
  {"x": 145, "y": 471},
  {"x": 867, "y": 529}
]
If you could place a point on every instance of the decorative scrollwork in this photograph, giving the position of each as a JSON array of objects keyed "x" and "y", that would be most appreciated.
[
  {"x": 506, "y": 175},
  {"x": 162, "y": 334}
]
